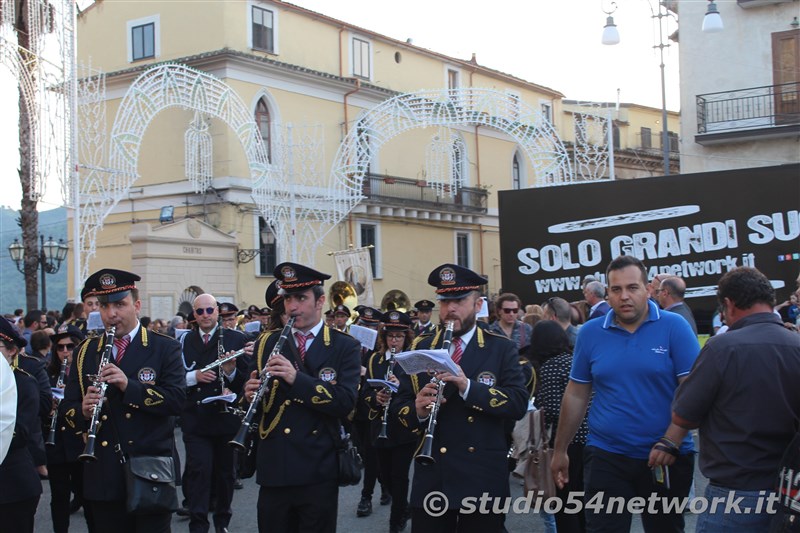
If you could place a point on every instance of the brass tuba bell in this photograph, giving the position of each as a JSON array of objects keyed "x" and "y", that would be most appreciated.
[
  {"x": 395, "y": 300},
  {"x": 342, "y": 293}
]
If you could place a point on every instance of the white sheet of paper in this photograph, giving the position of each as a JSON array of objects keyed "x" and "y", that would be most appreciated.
[
  {"x": 230, "y": 398},
  {"x": 365, "y": 336},
  {"x": 484, "y": 312},
  {"x": 94, "y": 322},
  {"x": 58, "y": 394},
  {"x": 416, "y": 361},
  {"x": 181, "y": 332},
  {"x": 382, "y": 384},
  {"x": 253, "y": 326}
]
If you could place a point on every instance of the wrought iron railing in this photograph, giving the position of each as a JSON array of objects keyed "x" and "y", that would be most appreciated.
[
  {"x": 753, "y": 108},
  {"x": 393, "y": 190}
]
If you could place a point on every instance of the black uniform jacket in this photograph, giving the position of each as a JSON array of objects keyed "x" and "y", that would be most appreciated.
[
  {"x": 69, "y": 439},
  {"x": 469, "y": 446},
  {"x": 297, "y": 422},
  {"x": 420, "y": 330},
  {"x": 144, "y": 416},
  {"x": 34, "y": 366},
  {"x": 395, "y": 433},
  {"x": 19, "y": 479},
  {"x": 209, "y": 419}
]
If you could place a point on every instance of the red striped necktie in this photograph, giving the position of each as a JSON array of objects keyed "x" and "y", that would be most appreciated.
[
  {"x": 300, "y": 339},
  {"x": 122, "y": 345},
  {"x": 458, "y": 350}
]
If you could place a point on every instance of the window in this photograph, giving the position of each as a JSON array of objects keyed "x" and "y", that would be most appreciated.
[
  {"x": 615, "y": 136},
  {"x": 361, "y": 58},
  {"x": 673, "y": 142},
  {"x": 264, "y": 124},
  {"x": 547, "y": 112},
  {"x": 647, "y": 138},
  {"x": 462, "y": 250},
  {"x": 143, "y": 38},
  {"x": 268, "y": 258},
  {"x": 453, "y": 79},
  {"x": 516, "y": 178},
  {"x": 263, "y": 28},
  {"x": 368, "y": 235},
  {"x": 459, "y": 178}
]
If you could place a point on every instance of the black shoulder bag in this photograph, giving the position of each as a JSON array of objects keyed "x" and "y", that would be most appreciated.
[{"x": 149, "y": 480}]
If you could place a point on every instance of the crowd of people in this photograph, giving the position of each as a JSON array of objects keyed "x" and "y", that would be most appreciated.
[{"x": 620, "y": 377}]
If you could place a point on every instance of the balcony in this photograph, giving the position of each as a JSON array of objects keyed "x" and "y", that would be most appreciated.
[
  {"x": 748, "y": 114},
  {"x": 408, "y": 193}
]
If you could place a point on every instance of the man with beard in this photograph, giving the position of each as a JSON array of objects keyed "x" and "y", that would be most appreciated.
[{"x": 469, "y": 442}]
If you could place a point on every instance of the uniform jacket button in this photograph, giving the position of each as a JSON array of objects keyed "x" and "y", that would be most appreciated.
[
  {"x": 287, "y": 430},
  {"x": 127, "y": 415},
  {"x": 442, "y": 450},
  {"x": 471, "y": 449},
  {"x": 470, "y": 419},
  {"x": 104, "y": 443}
]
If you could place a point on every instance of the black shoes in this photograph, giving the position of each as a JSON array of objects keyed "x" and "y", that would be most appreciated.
[
  {"x": 238, "y": 485},
  {"x": 364, "y": 507},
  {"x": 386, "y": 498}
]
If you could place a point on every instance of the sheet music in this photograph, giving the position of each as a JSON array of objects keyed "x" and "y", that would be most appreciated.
[
  {"x": 365, "y": 336},
  {"x": 230, "y": 398},
  {"x": 416, "y": 361},
  {"x": 382, "y": 384}
]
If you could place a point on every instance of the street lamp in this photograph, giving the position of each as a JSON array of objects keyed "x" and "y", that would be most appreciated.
[
  {"x": 611, "y": 37},
  {"x": 51, "y": 254},
  {"x": 245, "y": 255}
]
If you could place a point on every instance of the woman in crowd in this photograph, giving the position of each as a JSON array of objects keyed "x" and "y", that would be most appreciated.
[
  {"x": 66, "y": 443},
  {"x": 551, "y": 347}
]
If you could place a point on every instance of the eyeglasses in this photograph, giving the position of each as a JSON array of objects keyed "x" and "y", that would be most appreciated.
[
  {"x": 395, "y": 336},
  {"x": 60, "y": 347},
  {"x": 509, "y": 311},
  {"x": 204, "y": 311}
]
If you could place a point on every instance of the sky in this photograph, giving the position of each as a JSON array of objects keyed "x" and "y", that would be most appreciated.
[{"x": 555, "y": 44}]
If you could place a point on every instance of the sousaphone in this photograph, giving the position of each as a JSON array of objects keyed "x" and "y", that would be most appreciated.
[
  {"x": 342, "y": 293},
  {"x": 395, "y": 300}
]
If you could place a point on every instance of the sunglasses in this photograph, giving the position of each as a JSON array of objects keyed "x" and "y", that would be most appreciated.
[
  {"x": 508, "y": 311},
  {"x": 204, "y": 311},
  {"x": 69, "y": 346}
]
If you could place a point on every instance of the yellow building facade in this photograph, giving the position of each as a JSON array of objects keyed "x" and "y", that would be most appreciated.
[{"x": 291, "y": 66}]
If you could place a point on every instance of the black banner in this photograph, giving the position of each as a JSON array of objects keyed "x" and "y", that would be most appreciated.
[{"x": 697, "y": 226}]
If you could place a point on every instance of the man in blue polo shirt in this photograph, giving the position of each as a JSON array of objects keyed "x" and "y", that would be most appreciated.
[{"x": 633, "y": 360}]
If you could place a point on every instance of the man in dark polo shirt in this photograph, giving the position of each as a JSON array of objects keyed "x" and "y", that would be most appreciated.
[{"x": 742, "y": 393}]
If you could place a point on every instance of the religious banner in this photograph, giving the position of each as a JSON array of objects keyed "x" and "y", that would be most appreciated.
[{"x": 355, "y": 267}]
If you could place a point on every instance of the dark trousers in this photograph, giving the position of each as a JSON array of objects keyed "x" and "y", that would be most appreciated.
[
  {"x": 369, "y": 456},
  {"x": 454, "y": 522},
  {"x": 572, "y": 522},
  {"x": 65, "y": 479},
  {"x": 306, "y": 508},
  {"x": 111, "y": 516},
  {"x": 209, "y": 463},
  {"x": 19, "y": 516},
  {"x": 394, "y": 464},
  {"x": 624, "y": 477}
]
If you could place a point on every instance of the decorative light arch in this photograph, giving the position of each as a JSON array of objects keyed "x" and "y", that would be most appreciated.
[
  {"x": 157, "y": 89},
  {"x": 449, "y": 107}
]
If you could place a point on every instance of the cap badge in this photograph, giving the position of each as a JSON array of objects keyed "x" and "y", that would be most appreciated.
[
  {"x": 108, "y": 281},
  {"x": 447, "y": 276},
  {"x": 288, "y": 274},
  {"x": 394, "y": 316}
]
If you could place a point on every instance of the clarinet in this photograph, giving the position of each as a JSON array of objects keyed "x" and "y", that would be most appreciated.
[
  {"x": 385, "y": 422},
  {"x": 51, "y": 436},
  {"x": 264, "y": 376},
  {"x": 425, "y": 456},
  {"x": 88, "y": 451},
  {"x": 220, "y": 353}
]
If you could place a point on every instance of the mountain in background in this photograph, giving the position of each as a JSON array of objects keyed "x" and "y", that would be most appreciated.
[{"x": 52, "y": 223}]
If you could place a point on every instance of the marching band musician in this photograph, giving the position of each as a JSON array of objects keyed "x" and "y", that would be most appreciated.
[
  {"x": 341, "y": 314},
  {"x": 424, "y": 326},
  {"x": 227, "y": 311},
  {"x": 312, "y": 384},
  {"x": 65, "y": 472},
  {"x": 207, "y": 427},
  {"x": 396, "y": 448},
  {"x": 146, "y": 389},
  {"x": 469, "y": 442},
  {"x": 20, "y": 487}
]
